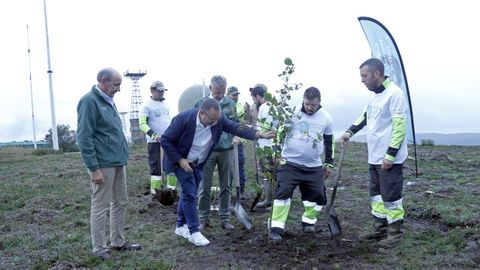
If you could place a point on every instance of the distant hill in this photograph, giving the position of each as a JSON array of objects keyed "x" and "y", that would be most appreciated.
[{"x": 439, "y": 138}]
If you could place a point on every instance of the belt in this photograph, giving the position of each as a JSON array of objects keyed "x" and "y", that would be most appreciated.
[{"x": 193, "y": 164}]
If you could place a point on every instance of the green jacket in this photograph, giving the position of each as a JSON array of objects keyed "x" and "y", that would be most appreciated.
[
  {"x": 240, "y": 112},
  {"x": 228, "y": 110},
  {"x": 100, "y": 135}
]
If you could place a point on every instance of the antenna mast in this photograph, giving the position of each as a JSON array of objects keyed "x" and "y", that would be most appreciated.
[
  {"x": 31, "y": 90},
  {"x": 49, "y": 71}
]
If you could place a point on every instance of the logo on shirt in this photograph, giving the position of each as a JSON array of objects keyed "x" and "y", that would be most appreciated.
[
  {"x": 373, "y": 112},
  {"x": 306, "y": 131}
]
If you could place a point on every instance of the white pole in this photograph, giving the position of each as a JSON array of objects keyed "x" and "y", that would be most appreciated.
[
  {"x": 49, "y": 71},
  {"x": 31, "y": 91},
  {"x": 203, "y": 79}
]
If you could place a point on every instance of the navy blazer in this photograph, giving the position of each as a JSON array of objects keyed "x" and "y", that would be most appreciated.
[{"x": 178, "y": 138}]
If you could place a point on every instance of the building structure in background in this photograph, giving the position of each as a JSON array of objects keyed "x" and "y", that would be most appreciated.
[{"x": 26, "y": 144}]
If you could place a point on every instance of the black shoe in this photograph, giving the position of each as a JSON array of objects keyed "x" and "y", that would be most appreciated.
[
  {"x": 227, "y": 225},
  {"x": 128, "y": 247},
  {"x": 376, "y": 235},
  {"x": 264, "y": 204},
  {"x": 275, "y": 237},
  {"x": 309, "y": 228},
  {"x": 103, "y": 254}
]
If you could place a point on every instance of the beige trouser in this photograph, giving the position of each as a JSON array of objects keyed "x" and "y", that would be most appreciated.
[{"x": 112, "y": 194}]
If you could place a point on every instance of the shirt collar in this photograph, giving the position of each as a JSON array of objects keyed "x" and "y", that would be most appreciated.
[
  {"x": 383, "y": 86},
  {"x": 219, "y": 101},
  {"x": 199, "y": 123},
  {"x": 105, "y": 96}
]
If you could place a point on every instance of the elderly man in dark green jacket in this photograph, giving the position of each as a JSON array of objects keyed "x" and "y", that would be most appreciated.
[
  {"x": 105, "y": 152},
  {"x": 221, "y": 156}
]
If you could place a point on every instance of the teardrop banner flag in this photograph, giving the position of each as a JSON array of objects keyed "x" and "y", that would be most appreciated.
[{"x": 383, "y": 46}]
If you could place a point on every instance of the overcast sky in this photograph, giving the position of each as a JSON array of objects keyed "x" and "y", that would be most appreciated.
[{"x": 184, "y": 42}]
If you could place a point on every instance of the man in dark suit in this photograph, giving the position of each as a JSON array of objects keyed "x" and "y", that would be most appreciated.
[{"x": 188, "y": 142}]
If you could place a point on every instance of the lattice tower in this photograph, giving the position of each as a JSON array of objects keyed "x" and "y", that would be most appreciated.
[
  {"x": 135, "y": 76},
  {"x": 137, "y": 135}
]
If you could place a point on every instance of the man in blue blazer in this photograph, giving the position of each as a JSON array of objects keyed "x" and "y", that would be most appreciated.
[{"x": 188, "y": 142}]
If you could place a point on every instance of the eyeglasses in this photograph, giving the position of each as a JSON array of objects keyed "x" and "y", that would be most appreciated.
[{"x": 212, "y": 121}]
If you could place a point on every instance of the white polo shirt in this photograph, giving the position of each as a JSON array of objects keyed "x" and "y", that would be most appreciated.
[
  {"x": 381, "y": 109},
  {"x": 202, "y": 142},
  {"x": 304, "y": 143}
]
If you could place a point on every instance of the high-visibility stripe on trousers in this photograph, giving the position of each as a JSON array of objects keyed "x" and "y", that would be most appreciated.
[
  {"x": 171, "y": 181},
  {"x": 392, "y": 211},
  {"x": 280, "y": 213},
  {"x": 311, "y": 212},
  {"x": 155, "y": 183},
  {"x": 281, "y": 208}
]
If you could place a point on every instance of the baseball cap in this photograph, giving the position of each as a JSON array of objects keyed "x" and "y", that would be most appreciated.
[
  {"x": 232, "y": 90},
  {"x": 158, "y": 85},
  {"x": 257, "y": 90}
]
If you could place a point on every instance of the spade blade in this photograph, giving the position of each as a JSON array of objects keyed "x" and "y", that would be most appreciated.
[{"x": 333, "y": 223}]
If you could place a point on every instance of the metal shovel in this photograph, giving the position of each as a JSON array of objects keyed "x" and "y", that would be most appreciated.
[
  {"x": 238, "y": 209},
  {"x": 331, "y": 215},
  {"x": 259, "y": 192}
]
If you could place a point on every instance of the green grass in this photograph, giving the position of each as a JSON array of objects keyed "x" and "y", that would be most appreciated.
[{"x": 45, "y": 211}]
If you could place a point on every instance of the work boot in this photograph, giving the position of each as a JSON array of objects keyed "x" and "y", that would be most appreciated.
[
  {"x": 267, "y": 188},
  {"x": 395, "y": 235},
  {"x": 103, "y": 254},
  {"x": 275, "y": 237},
  {"x": 226, "y": 225},
  {"x": 380, "y": 226},
  {"x": 308, "y": 228},
  {"x": 276, "y": 234}
]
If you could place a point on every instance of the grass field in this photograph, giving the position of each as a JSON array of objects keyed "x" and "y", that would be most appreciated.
[{"x": 45, "y": 211}]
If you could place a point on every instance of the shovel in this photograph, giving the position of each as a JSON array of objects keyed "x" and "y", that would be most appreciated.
[
  {"x": 259, "y": 193},
  {"x": 332, "y": 219},
  {"x": 238, "y": 209}
]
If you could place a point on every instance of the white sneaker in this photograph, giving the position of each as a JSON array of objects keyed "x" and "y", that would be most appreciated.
[
  {"x": 183, "y": 231},
  {"x": 198, "y": 239}
]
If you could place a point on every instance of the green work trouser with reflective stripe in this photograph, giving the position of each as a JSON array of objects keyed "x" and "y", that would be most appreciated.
[
  {"x": 312, "y": 190},
  {"x": 386, "y": 192}
]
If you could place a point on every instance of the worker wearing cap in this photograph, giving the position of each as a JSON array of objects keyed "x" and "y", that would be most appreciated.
[
  {"x": 233, "y": 93},
  {"x": 154, "y": 120},
  {"x": 221, "y": 157},
  {"x": 265, "y": 123}
]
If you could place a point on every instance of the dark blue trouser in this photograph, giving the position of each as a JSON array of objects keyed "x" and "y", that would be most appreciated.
[
  {"x": 187, "y": 206},
  {"x": 241, "y": 164}
]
